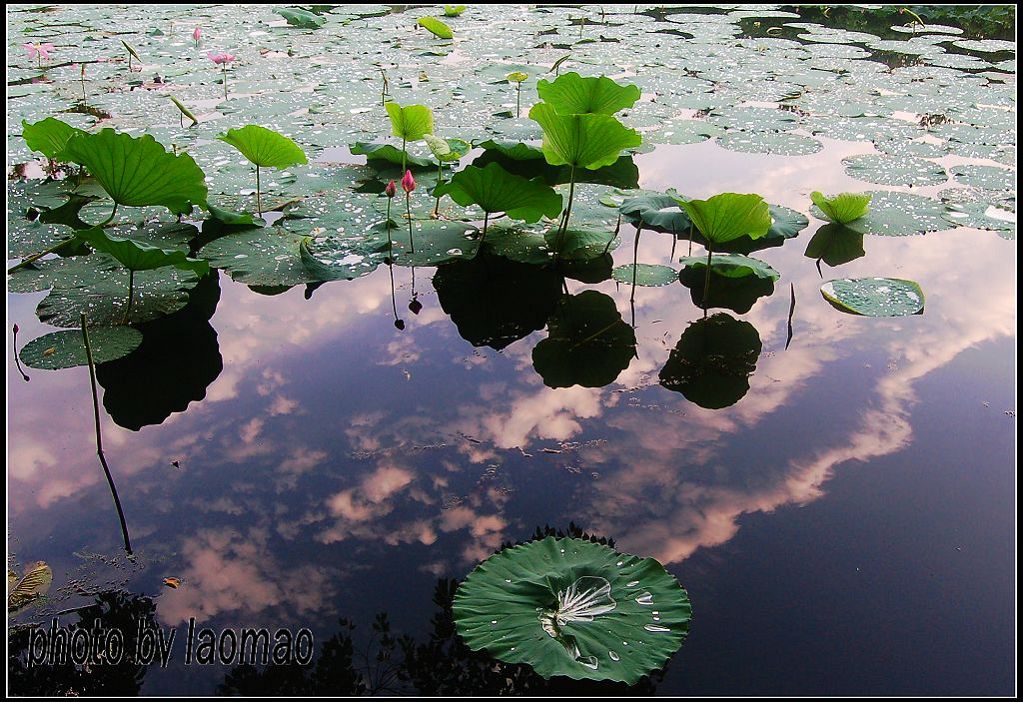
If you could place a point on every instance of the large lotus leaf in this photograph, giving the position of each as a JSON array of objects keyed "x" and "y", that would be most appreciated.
[
  {"x": 137, "y": 256},
  {"x": 410, "y": 123},
  {"x": 495, "y": 301},
  {"x": 895, "y": 213},
  {"x": 645, "y": 274},
  {"x": 894, "y": 170},
  {"x": 389, "y": 154},
  {"x": 521, "y": 244},
  {"x": 48, "y": 136},
  {"x": 571, "y": 94},
  {"x": 333, "y": 258},
  {"x": 588, "y": 344},
  {"x": 835, "y": 245},
  {"x": 844, "y": 207},
  {"x": 264, "y": 257},
  {"x": 514, "y": 150},
  {"x": 729, "y": 216},
  {"x": 781, "y": 143},
  {"x": 102, "y": 293},
  {"x": 436, "y": 27},
  {"x": 265, "y": 147},
  {"x": 875, "y": 297},
  {"x": 573, "y": 608},
  {"x": 713, "y": 360},
  {"x": 66, "y": 348},
  {"x": 297, "y": 17},
  {"x": 582, "y": 141},
  {"x": 732, "y": 266},
  {"x": 434, "y": 241},
  {"x": 529, "y": 161},
  {"x": 661, "y": 213},
  {"x": 494, "y": 189},
  {"x": 138, "y": 171}
]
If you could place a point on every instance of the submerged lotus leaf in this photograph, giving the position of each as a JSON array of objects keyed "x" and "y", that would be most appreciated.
[
  {"x": 138, "y": 172},
  {"x": 712, "y": 361},
  {"x": 588, "y": 343},
  {"x": 732, "y": 266},
  {"x": 894, "y": 213},
  {"x": 494, "y": 189},
  {"x": 571, "y": 94},
  {"x": 48, "y": 136},
  {"x": 66, "y": 348},
  {"x": 842, "y": 208},
  {"x": 573, "y": 608},
  {"x": 101, "y": 291},
  {"x": 655, "y": 211},
  {"x": 265, "y": 147},
  {"x": 894, "y": 170},
  {"x": 875, "y": 297},
  {"x": 781, "y": 143},
  {"x": 410, "y": 123},
  {"x": 645, "y": 274},
  {"x": 588, "y": 141},
  {"x": 728, "y": 216}
]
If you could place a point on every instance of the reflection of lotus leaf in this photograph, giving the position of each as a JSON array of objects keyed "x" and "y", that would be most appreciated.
[
  {"x": 574, "y": 608},
  {"x": 713, "y": 360}
]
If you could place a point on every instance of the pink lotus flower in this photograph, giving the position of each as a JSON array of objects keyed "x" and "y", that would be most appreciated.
[
  {"x": 40, "y": 50},
  {"x": 408, "y": 183},
  {"x": 197, "y": 34},
  {"x": 391, "y": 189},
  {"x": 220, "y": 57}
]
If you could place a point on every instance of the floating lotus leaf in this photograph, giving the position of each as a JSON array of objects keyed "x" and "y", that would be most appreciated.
[
  {"x": 389, "y": 154},
  {"x": 842, "y": 208},
  {"x": 875, "y": 297},
  {"x": 493, "y": 189},
  {"x": 436, "y": 27},
  {"x": 581, "y": 244},
  {"x": 763, "y": 119},
  {"x": 66, "y": 348},
  {"x": 263, "y": 257},
  {"x": 436, "y": 241},
  {"x": 574, "y": 608},
  {"x": 781, "y": 143},
  {"x": 521, "y": 244},
  {"x": 48, "y": 136},
  {"x": 661, "y": 213},
  {"x": 894, "y": 213},
  {"x": 265, "y": 147},
  {"x": 645, "y": 274},
  {"x": 571, "y": 94},
  {"x": 138, "y": 171},
  {"x": 713, "y": 360},
  {"x": 980, "y": 215},
  {"x": 588, "y": 141},
  {"x": 588, "y": 344},
  {"x": 732, "y": 266},
  {"x": 894, "y": 170},
  {"x": 410, "y": 123},
  {"x": 986, "y": 177}
]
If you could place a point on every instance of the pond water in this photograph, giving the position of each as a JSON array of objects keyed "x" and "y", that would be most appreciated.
[{"x": 308, "y": 453}]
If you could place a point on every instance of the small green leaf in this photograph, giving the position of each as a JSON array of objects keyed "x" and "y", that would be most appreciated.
[
  {"x": 139, "y": 171},
  {"x": 297, "y": 17},
  {"x": 131, "y": 50},
  {"x": 66, "y": 348},
  {"x": 584, "y": 141},
  {"x": 571, "y": 94},
  {"x": 494, "y": 189},
  {"x": 453, "y": 10},
  {"x": 447, "y": 149},
  {"x": 436, "y": 27},
  {"x": 184, "y": 110},
  {"x": 844, "y": 207},
  {"x": 48, "y": 136},
  {"x": 410, "y": 123},
  {"x": 729, "y": 216},
  {"x": 140, "y": 257},
  {"x": 265, "y": 147},
  {"x": 516, "y": 77}
]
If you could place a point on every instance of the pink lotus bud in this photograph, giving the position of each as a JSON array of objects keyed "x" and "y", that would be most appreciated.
[
  {"x": 15, "y": 328},
  {"x": 197, "y": 34},
  {"x": 408, "y": 183},
  {"x": 391, "y": 189}
]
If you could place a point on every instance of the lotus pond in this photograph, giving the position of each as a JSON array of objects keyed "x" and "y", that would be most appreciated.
[{"x": 512, "y": 349}]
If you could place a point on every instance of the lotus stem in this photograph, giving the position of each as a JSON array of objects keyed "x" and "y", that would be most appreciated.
[
  {"x": 35, "y": 257},
  {"x": 259, "y": 201},
  {"x": 440, "y": 174},
  {"x": 408, "y": 212},
  {"x": 486, "y": 217},
  {"x": 404, "y": 156},
  {"x": 518, "y": 99},
  {"x": 792, "y": 308},
  {"x": 99, "y": 435},
  {"x": 225, "y": 79},
  {"x": 690, "y": 240},
  {"x": 635, "y": 259},
  {"x": 387, "y": 225},
  {"x": 85, "y": 96},
  {"x": 706, "y": 279},
  {"x": 131, "y": 295},
  {"x": 568, "y": 209},
  {"x": 111, "y": 217},
  {"x": 16, "y": 361}
]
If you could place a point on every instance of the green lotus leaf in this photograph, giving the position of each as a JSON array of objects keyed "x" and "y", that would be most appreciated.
[
  {"x": 184, "y": 110},
  {"x": 388, "y": 153},
  {"x": 661, "y": 213},
  {"x": 66, "y": 348},
  {"x": 729, "y": 216},
  {"x": 262, "y": 257},
  {"x": 138, "y": 171},
  {"x": 436, "y": 27},
  {"x": 875, "y": 297},
  {"x": 732, "y": 266},
  {"x": 516, "y": 77},
  {"x": 264, "y": 147},
  {"x": 494, "y": 189},
  {"x": 297, "y": 17},
  {"x": 436, "y": 242},
  {"x": 712, "y": 361},
  {"x": 514, "y": 150},
  {"x": 529, "y": 161},
  {"x": 583, "y": 141},
  {"x": 410, "y": 123},
  {"x": 897, "y": 213},
  {"x": 136, "y": 256},
  {"x": 588, "y": 343},
  {"x": 573, "y": 608},
  {"x": 233, "y": 219},
  {"x": 645, "y": 274},
  {"x": 447, "y": 149},
  {"x": 48, "y": 136},
  {"x": 571, "y": 94},
  {"x": 844, "y": 207},
  {"x": 131, "y": 49},
  {"x": 453, "y": 10},
  {"x": 582, "y": 244}
]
